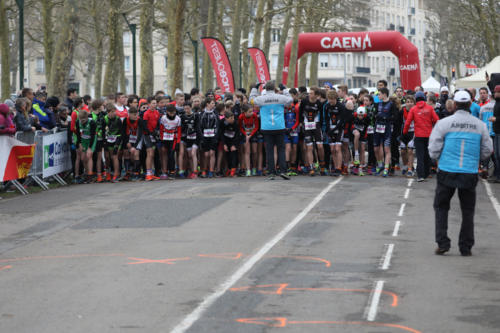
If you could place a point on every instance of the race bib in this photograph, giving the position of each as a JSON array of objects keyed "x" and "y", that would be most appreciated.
[
  {"x": 369, "y": 130},
  {"x": 359, "y": 127},
  {"x": 111, "y": 138},
  {"x": 309, "y": 126},
  {"x": 295, "y": 132},
  {"x": 191, "y": 136},
  {"x": 168, "y": 136},
  {"x": 380, "y": 128},
  {"x": 85, "y": 136},
  {"x": 132, "y": 138},
  {"x": 209, "y": 132},
  {"x": 229, "y": 134},
  {"x": 152, "y": 138}
]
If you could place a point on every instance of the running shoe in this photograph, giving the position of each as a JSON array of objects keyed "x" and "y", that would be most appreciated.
[
  {"x": 193, "y": 175},
  {"x": 254, "y": 172},
  {"x": 311, "y": 173},
  {"x": 249, "y": 173},
  {"x": 182, "y": 174},
  {"x": 203, "y": 174},
  {"x": 386, "y": 173},
  {"x": 163, "y": 176},
  {"x": 115, "y": 179},
  {"x": 232, "y": 173},
  {"x": 99, "y": 178},
  {"x": 284, "y": 176},
  {"x": 210, "y": 174},
  {"x": 409, "y": 174},
  {"x": 259, "y": 173},
  {"x": 361, "y": 173}
]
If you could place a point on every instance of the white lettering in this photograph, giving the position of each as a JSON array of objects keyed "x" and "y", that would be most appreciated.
[
  {"x": 262, "y": 74},
  {"x": 220, "y": 66},
  {"x": 324, "y": 42},
  {"x": 346, "y": 42},
  {"x": 351, "y": 43},
  {"x": 336, "y": 43},
  {"x": 409, "y": 67},
  {"x": 356, "y": 42}
]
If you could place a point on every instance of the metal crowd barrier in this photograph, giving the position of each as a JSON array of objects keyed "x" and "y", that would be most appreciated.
[{"x": 36, "y": 172}]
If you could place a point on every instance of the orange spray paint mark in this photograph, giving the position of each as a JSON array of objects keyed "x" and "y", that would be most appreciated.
[
  {"x": 154, "y": 261},
  {"x": 5, "y": 267},
  {"x": 231, "y": 256},
  {"x": 62, "y": 257}
]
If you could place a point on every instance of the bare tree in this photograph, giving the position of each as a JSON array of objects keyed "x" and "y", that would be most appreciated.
[
  {"x": 283, "y": 40},
  {"x": 176, "y": 44},
  {"x": 145, "y": 44},
  {"x": 110, "y": 85},
  {"x": 4, "y": 49},
  {"x": 208, "y": 73},
  {"x": 295, "y": 44},
  {"x": 236, "y": 39},
  {"x": 268, "y": 18},
  {"x": 259, "y": 21}
]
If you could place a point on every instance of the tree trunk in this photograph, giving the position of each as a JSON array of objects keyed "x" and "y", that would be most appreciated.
[
  {"x": 4, "y": 52},
  {"x": 145, "y": 45},
  {"x": 244, "y": 46},
  {"x": 313, "y": 70},
  {"x": 283, "y": 40},
  {"x": 176, "y": 47},
  {"x": 236, "y": 40},
  {"x": 48, "y": 35},
  {"x": 195, "y": 36},
  {"x": 259, "y": 21},
  {"x": 267, "y": 28},
  {"x": 121, "y": 57},
  {"x": 99, "y": 57},
  {"x": 221, "y": 33},
  {"x": 302, "y": 70},
  {"x": 295, "y": 44},
  {"x": 111, "y": 75},
  {"x": 64, "y": 50},
  {"x": 208, "y": 73}
]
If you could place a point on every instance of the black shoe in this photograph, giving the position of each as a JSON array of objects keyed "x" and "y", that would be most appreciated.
[
  {"x": 284, "y": 176},
  {"x": 465, "y": 253},
  {"x": 271, "y": 177},
  {"x": 439, "y": 251}
]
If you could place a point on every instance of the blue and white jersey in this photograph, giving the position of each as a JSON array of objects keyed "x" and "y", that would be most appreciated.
[
  {"x": 460, "y": 142},
  {"x": 485, "y": 114},
  {"x": 272, "y": 109},
  {"x": 474, "y": 109}
]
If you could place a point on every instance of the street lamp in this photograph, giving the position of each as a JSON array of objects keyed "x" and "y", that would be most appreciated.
[
  {"x": 20, "y": 4},
  {"x": 133, "y": 29},
  {"x": 196, "y": 69}
]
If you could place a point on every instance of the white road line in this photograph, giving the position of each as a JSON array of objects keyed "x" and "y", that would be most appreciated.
[
  {"x": 372, "y": 308},
  {"x": 493, "y": 200},
  {"x": 407, "y": 193},
  {"x": 402, "y": 209},
  {"x": 386, "y": 258},
  {"x": 410, "y": 182},
  {"x": 210, "y": 299},
  {"x": 396, "y": 229}
]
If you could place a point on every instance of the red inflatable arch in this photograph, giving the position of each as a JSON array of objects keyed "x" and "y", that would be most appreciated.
[{"x": 409, "y": 65}]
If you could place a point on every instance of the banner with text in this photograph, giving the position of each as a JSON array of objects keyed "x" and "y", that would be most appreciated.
[
  {"x": 56, "y": 154},
  {"x": 220, "y": 63},
  {"x": 261, "y": 67},
  {"x": 15, "y": 158}
]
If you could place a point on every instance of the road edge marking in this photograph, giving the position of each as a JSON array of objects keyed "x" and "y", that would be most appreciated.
[
  {"x": 210, "y": 299},
  {"x": 374, "y": 300},
  {"x": 492, "y": 197},
  {"x": 402, "y": 209},
  {"x": 386, "y": 258},
  {"x": 396, "y": 229}
]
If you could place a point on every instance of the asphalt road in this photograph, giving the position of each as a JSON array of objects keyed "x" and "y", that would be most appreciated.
[{"x": 245, "y": 255}]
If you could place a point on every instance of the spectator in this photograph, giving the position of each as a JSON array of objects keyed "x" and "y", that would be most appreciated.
[
  {"x": 474, "y": 107},
  {"x": 22, "y": 118},
  {"x": 6, "y": 125},
  {"x": 71, "y": 94},
  {"x": 496, "y": 129},
  {"x": 51, "y": 108}
]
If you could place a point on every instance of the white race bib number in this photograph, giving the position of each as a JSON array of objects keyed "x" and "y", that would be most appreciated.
[
  {"x": 152, "y": 138},
  {"x": 132, "y": 138},
  {"x": 209, "y": 132},
  {"x": 380, "y": 128},
  {"x": 310, "y": 125},
  {"x": 369, "y": 130},
  {"x": 168, "y": 136},
  {"x": 111, "y": 138},
  {"x": 359, "y": 127},
  {"x": 192, "y": 136},
  {"x": 229, "y": 134},
  {"x": 85, "y": 136}
]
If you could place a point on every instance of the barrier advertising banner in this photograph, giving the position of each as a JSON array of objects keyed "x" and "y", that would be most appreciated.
[
  {"x": 220, "y": 63},
  {"x": 56, "y": 154},
  {"x": 261, "y": 67},
  {"x": 15, "y": 158}
]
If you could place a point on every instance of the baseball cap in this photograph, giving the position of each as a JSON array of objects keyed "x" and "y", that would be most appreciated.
[
  {"x": 444, "y": 88},
  {"x": 497, "y": 88},
  {"x": 462, "y": 96},
  {"x": 420, "y": 96}
]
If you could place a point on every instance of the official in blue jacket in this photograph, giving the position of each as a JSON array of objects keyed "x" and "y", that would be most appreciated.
[
  {"x": 272, "y": 120},
  {"x": 459, "y": 142}
]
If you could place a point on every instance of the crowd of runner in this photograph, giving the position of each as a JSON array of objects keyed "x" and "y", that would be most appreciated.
[{"x": 328, "y": 132}]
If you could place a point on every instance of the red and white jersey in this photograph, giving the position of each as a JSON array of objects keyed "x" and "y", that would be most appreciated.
[
  {"x": 121, "y": 111},
  {"x": 170, "y": 130}
]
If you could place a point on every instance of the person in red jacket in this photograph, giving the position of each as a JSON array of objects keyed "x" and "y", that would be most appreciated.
[
  {"x": 7, "y": 126},
  {"x": 424, "y": 117}
]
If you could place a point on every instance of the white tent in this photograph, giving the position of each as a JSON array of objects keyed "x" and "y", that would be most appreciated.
[
  {"x": 478, "y": 80},
  {"x": 432, "y": 85}
]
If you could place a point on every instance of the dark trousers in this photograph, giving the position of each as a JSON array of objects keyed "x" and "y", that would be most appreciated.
[
  {"x": 394, "y": 150},
  {"x": 496, "y": 146},
  {"x": 277, "y": 140},
  {"x": 423, "y": 158},
  {"x": 442, "y": 199},
  {"x": 372, "y": 161}
]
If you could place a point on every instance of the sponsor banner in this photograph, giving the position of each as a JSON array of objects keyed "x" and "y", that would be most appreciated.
[
  {"x": 261, "y": 67},
  {"x": 16, "y": 158},
  {"x": 56, "y": 154},
  {"x": 220, "y": 63}
]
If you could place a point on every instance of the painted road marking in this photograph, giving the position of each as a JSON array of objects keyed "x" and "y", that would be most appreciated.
[
  {"x": 396, "y": 229},
  {"x": 386, "y": 258},
  {"x": 5, "y": 267},
  {"x": 410, "y": 182},
  {"x": 191, "y": 318},
  {"x": 139, "y": 261},
  {"x": 402, "y": 209},
  {"x": 284, "y": 322},
  {"x": 407, "y": 193},
  {"x": 371, "y": 310},
  {"x": 493, "y": 200}
]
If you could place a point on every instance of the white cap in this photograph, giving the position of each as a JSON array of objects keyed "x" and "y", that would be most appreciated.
[
  {"x": 178, "y": 91},
  {"x": 444, "y": 88},
  {"x": 462, "y": 96},
  {"x": 361, "y": 110}
]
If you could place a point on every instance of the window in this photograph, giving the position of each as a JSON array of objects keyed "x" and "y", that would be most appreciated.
[
  {"x": 276, "y": 35},
  {"x": 165, "y": 58},
  {"x": 126, "y": 38},
  {"x": 377, "y": 68},
  {"x": 323, "y": 60},
  {"x": 274, "y": 61},
  {"x": 127, "y": 63},
  {"x": 335, "y": 60},
  {"x": 40, "y": 65}
]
